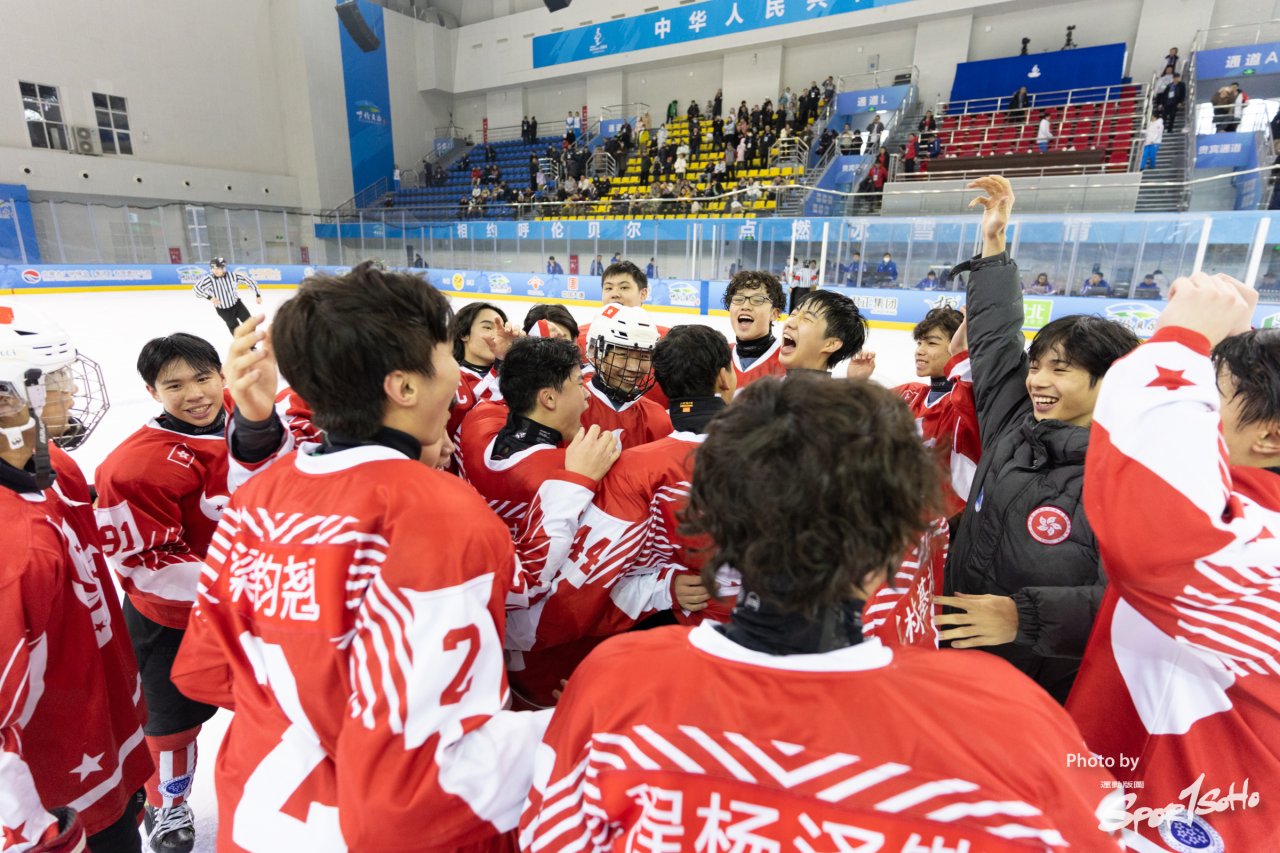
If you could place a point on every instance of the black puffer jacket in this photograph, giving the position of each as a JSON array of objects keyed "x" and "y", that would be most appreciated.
[{"x": 1024, "y": 533}]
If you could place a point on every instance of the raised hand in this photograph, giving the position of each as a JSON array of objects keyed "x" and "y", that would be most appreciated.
[
  {"x": 1216, "y": 306},
  {"x": 251, "y": 373},
  {"x": 502, "y": 338},
  {"x": 862, "y": 365},
  {"x": 997, "y": 205},
  {"x": 960, "y": 340}
]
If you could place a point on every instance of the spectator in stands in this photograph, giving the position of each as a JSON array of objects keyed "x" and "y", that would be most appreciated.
[
  {"x": 1162, "y": 83},
  {"x": 828, "y": 89},
  {"x": 1238, "y": 101},
  {"x": 910, "y": 151},
  {"x": 418, "y": 262},
  {"x": 1095, "y": 285},
  {"x": 1041, "y": 286},
  {"x": 1172, "y": 59},
  {"x": 597, "y": 266},
  {"x": 662, "y": 136},
  {"x": 553, "y": 266},
  {"x": 929, "y": 282},
  {"x": 1018, "y": 103},
  {"x": 874, "y": 131},
  {"x": 490, "y": 153},
  {"x": 1172, "y": 99},
  {"x": 524, "y": 129},
  {"x": 1147, "y": 288},
  {"x": 694, "y": 110},
  {"x": 681, "y": 166},
  {"x": 1155, "y": 135},
  {"x": 887, "y": 271},
  {"x": 1223, "y": 108},
  {"x": 851, "y": 273},
  {"x": 717, "y": 103},
  {"x": 785, "y": 98},
  {"x": 928, "y": 127},
  {"x": 740, "y": 156},
  {"x": 1043, "y": 134},
  {"x": 533, "y": 128},
  {"x": 753, "y": 191}
]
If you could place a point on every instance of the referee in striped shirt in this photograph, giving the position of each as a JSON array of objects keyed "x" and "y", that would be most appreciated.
[{"x": 223, "y": 289}]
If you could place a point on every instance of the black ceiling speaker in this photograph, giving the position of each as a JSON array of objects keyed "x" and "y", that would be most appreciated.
[
  {"x": 356, "y": 26},
  {"x": 557, "y": 5}
]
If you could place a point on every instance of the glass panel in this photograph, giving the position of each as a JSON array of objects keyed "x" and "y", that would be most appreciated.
[
  {"x": 100, "y": 100},
  {"x": 108, "y": 141},
  {"x": 35, "y": 130},
  {"x": 117, "y": 103},
  {"x": 104, "y": 118},
  {"x": 49, "y": 93},
  {"x": 57, "y": 136},
  {"x": 122, "y": 121},
  {"x": 126, "y": 147},
  {"x": 28, "y": 89},
  {"x": 52, "y": 112}
]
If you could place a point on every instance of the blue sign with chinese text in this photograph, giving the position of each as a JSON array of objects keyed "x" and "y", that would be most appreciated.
[
  {"x": 368, "y": 99},
  {"x": 1226, "y": 151},
  {"x": 694, "y": 22},
  {"x": 1236, "y": 62}
]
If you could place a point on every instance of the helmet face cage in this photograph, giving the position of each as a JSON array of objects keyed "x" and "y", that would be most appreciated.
[
  {"x": 71, "y": 401},
  {"x": 627, "y": 372}
]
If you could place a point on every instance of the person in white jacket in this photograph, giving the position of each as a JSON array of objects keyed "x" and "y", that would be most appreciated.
[
  {"x": 1043, "y": 134},
  {"x": 1155, "y": 135}
]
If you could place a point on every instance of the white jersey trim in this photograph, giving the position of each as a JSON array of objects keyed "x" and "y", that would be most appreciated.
[
  {"x": 343, "y": 460},
  {"x": 869, "y": 654},
  {"x": 689, "y": 437},
  {"x": 513, "y": 460}
]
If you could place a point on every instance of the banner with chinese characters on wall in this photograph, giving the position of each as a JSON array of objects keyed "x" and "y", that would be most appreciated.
[
  {"x": 1226, "y": 151},
  {"x": 1236, "y": 62},
  {"x": 693, "y": 22}
]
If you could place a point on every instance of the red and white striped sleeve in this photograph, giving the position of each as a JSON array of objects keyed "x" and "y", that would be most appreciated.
[{"x": 1195, "y": 555}]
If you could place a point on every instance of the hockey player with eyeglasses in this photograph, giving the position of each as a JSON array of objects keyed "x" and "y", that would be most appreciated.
[
  {"x": 620, "y": 347},
  {"x": 72, "y": 756}
]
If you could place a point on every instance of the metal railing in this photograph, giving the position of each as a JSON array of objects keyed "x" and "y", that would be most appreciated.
[
  {"x": 1237, "y": 35},
  {"x": 1040, "y": 100},
  {"x": 876, "y": 79}
]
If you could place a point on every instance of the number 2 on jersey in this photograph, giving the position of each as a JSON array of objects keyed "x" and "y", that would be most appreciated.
[{"x": 461, "y": 682}]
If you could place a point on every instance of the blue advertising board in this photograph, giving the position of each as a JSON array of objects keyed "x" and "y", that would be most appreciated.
[
  {"x": 368, "y": 100},
  {"x": 1235, "y": 62},
  {"x": 1081, "y": 68},
  {"x": 1226, "y": 150},
  {"x": 694, "y": 22},
  {"x": 884, "y": 307},
  {"x": 870, "y": 101}
]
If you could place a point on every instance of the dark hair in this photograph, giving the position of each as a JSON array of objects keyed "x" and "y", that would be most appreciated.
[
  {"x": 843, "y": 502},
  {"x": 462, "y": 322},
  {"x": 339, "y": 336},
  {"x": 843, "y": 319},
  {"x": 946, "y": 319},
  {"x": 627, "y": 268},
  {"x": 748, "y": 279},
  {"x": 557, "y": 314},
  {"x": 533, "y": 364},
  {"x": 1089, "y": 342},
  {"x": 159, "y": 353},
  {"x": 1253, "y": 360},
  {"x": 687, "y": 361}
]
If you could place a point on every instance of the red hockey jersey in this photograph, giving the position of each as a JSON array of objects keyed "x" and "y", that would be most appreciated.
[
  {"x": 71, "y": 708},
  {"x": 160, "y": 494},
  {"x": 358, "y": 597},
  {"x": 472, "y": 390},
  {"x": 765, "y": 365},
  {"x": 679, "y": 739},
  {"x": 1180, "y": 684},
  {"x": 638, "y": 422},
  {"x": 949, "y": 425}
]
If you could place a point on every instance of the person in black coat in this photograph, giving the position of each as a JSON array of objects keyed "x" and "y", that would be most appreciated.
[
  {"x": 1171, "y": 99},
  {"x": 1018, "y": 103},
  {"x": 1024, "y": 577}
]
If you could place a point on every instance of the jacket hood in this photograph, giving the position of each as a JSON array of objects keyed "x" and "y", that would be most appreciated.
[{"x": 1051, "y": 444}]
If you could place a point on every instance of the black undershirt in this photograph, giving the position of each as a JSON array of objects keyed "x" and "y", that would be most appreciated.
[
  {"x": 754, "y": 349},
  {"x": 521, "y": 433},
  {"x": 401, "y": 442},
  {"x": 939, "y": 386},
  {"x": 20, "y": 480},
  {"x": 173, "y": 424},
  {"x": 757, "y": 626},
  {"x": 481, "y": 370}
]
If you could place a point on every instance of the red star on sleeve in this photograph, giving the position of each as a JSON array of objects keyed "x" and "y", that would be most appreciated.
[
  {"x": 1169, "y": 379},
  {"x": 15, "y": 836}
]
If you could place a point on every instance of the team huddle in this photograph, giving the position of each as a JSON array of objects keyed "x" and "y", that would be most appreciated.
[{"x": 466, "y": 584}]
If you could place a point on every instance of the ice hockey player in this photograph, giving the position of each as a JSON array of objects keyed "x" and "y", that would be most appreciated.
[
  {"x": 623, "y": 556},
  {"x": 160, "y": 494},
  {"x": 825, "y": 329},
  {"x": 1179, "y": 687},
  {"x": 633, "y": 751},
  {"x": 72, "y": 758},
  {"x": 944, "y": 425},
  {"x": 1024, "y": 577},
  {"x": 367, "y": 680},
  {"x": 754, "y": 300},
  {"x": 468, "y": 330},
  {"x": 624, "y": 283},
  {"x": 620, "y": 347}
]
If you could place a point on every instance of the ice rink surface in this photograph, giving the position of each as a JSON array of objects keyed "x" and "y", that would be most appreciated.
[{"x": 111, "y": 328}]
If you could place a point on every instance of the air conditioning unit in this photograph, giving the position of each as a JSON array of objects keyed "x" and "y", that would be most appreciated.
[{"x": 85, "y": 140}]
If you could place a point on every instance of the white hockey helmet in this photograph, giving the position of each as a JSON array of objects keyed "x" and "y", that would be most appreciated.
[
  {"x": 37, "y": 358},
  {"x": 620, "y": 347}
]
